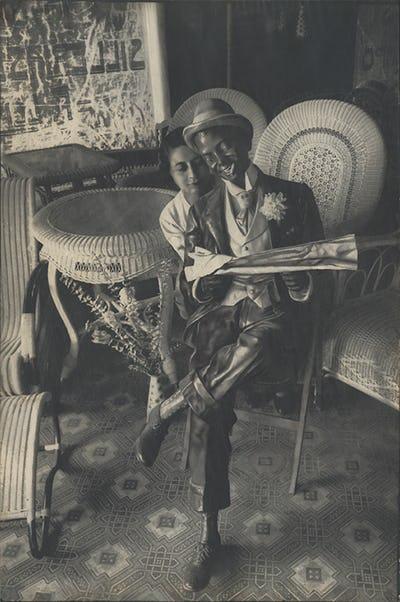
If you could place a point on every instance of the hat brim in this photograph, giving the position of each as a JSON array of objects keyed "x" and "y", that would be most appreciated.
[{"x": 229, "y": 119}]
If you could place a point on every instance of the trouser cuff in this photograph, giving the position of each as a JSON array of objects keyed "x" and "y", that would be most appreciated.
[
  {"x": 197, "y": 396},
  {"x": 201, "y": 501}
]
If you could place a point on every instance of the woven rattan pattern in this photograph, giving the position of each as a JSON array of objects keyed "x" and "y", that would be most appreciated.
[
  {"x": 348, "y": 169},
  {"x": 101, "y": 259},
  {"x": 326, "y": 170},
  {"x": 18, "y": 258},
  {"x": 362, "y": 345},
  {"x": 19, "y": 419}
]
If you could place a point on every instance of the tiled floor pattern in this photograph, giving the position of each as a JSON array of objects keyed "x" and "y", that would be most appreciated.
[{"x": 124, "y": 532}]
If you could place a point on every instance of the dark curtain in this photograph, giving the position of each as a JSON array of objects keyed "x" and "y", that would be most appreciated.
[
  {"x": 281, "y": 51},
  {"x": 196, "y": 47},
  {"x": 288, "y": 51}
]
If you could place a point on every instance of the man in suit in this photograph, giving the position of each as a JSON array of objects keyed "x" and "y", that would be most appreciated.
[{"x": 237, "y": 326}]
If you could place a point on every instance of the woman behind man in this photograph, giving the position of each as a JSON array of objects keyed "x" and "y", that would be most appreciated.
[{"x": 193, "y": 178}]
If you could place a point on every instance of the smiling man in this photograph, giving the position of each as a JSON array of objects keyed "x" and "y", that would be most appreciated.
[{"x": 237, "y": 327}]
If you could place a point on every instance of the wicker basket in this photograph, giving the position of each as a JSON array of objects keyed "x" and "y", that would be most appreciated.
[{"x": 335, "y": 148}]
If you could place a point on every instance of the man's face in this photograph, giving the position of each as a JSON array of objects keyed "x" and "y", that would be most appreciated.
[
  {"x": 189, "y": 172},
  {"x": 225, "y": 151}
]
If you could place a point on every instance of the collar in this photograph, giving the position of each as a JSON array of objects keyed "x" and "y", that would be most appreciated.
[
  {"x": 250, "y": 180},
  {"x": 180, "y": 198}
]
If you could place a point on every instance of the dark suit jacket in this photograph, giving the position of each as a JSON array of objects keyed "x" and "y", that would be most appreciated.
[{"x": 206, "y": 228}]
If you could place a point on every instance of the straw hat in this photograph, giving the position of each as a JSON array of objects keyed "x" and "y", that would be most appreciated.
[{"x": 214, "y": 112}]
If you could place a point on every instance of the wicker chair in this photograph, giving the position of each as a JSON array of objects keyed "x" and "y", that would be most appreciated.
[
  {"x": 21, "y": 405},
  {"x": 338, "y": 150},
  {"x": 361, "y": 342},
  {"x": 335, "y": 148},
  {"x": 240, "y": 102},
  {"x": 19, "y": 257}
]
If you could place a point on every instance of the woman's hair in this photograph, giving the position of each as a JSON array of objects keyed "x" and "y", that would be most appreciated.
[{"x": 171, "y": 140}]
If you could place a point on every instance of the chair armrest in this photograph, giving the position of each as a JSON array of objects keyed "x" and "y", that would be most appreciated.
[{"x": 379, "y": 269}]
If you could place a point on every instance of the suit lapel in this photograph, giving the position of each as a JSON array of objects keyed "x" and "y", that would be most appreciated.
[
  {"x": 259, "y": 224},
  {"x": 214, "y": 217},
  {"x": 233, "y": 230},
  {"x": 268, "y": 184}
]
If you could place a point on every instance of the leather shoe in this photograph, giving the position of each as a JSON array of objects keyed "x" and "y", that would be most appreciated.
[
  {"x": 198, "y": 572},
  {"x": 150, "y": 439}
]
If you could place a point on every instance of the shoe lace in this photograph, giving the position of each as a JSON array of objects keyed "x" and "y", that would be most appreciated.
[{"x": 201, "y": 553}]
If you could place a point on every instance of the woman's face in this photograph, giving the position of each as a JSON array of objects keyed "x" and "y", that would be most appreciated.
[{"x": 189, "y": 172}]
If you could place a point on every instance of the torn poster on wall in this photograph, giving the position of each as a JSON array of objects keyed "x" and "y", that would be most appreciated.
[{"x": 75, "y": 73}]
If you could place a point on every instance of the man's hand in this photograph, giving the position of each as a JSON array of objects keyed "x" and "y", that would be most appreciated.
[
  {"x": 212, "y": 287},
  {"x": 296, "y": 281}
]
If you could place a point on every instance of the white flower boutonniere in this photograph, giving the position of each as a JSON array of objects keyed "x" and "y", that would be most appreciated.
[{"x": 274, "y": 206}]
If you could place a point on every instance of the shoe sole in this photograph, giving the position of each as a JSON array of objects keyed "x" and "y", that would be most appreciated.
[
  {"x": 187, "y": 587},
  {"x": 140, "y": 459}
]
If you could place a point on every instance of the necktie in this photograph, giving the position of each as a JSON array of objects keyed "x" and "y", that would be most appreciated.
[{"x": 245, "y": 200}]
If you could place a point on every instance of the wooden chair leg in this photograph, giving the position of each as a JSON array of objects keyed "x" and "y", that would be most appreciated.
[
  {"x": 166, "y": 287},
  {"x": 318, "y": 400},
  {"x": 305, "y": 396},
  {"x": 162, "y": 386}
]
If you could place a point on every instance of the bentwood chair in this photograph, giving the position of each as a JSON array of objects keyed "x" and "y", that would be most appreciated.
[
  {"x": 240, "y": 102},
  {"x": 338, "y": 151},
  {"x": 22, "y": 405}
]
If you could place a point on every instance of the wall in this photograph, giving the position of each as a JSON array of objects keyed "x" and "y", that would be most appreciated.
[
  {"x": 196, "y": 47},
  {"x": 377, "y": 45},
  {"x": 285, "y": 52},
  {"x": 75, "y": 72},
  {"x": 377, "y": 63}
]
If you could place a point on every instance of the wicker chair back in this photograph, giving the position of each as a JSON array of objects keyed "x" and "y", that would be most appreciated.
[
  {"x": 18, "y": 258},
  {"x": 335, "y": 148}
]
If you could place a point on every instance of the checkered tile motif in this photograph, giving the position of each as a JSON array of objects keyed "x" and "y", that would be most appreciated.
[{"x": 124, "y": 532}]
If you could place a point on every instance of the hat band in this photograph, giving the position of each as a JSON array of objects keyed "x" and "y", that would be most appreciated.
[{"x": 210, "y": 115}]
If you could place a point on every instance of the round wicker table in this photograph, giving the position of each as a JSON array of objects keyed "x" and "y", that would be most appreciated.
[{"x": 104, "y": 237}]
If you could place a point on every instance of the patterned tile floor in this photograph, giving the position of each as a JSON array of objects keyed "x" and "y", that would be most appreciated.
[{"x": 124, "y": 532}]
